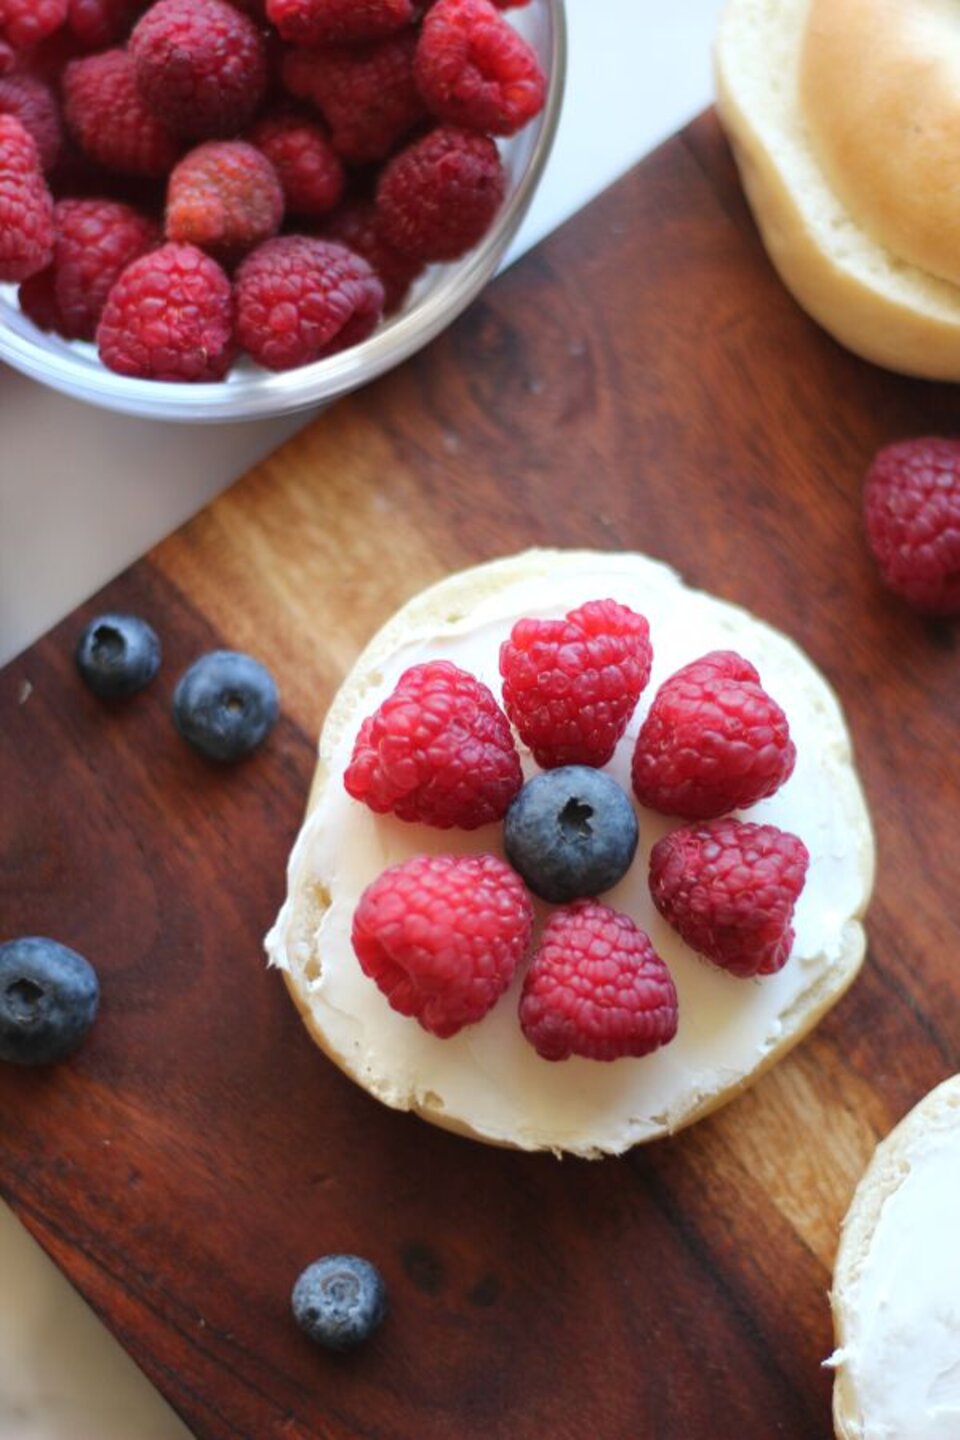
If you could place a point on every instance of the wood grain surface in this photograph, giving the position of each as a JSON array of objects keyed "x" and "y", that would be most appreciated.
[{"x": 640, "y": 381}]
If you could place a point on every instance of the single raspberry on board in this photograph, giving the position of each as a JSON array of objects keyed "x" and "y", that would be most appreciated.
[
  {"x": 26, "y": 206},
  {"x": 366, "y": 93},
  {"x": 571, "y": 685},
  {"x": 300, "y": 299},
  {"x": 201, "y": 65},
  {"x": 713, "y": 741},
  {"x": 34, "y": 104},
  {"x": 357, "y": 225},
  {"x": 169, "y": 317},
  {"x": 105, "y": 112},
  {"x": 331, "y": 22},
  {"x": 596, "y": 988},
  {"x": 307, "y": 165},
  {"x": 98, "y": 24},
  {"x": 437, "y": 750},
  {"x": 27, "y": 22},
  {"x": 95, "y": 241},
  {"x": 442, "y": 936},
  {"x": 729, "y": 888},
  {"x": 473, "y": 69},
  {"x": 224, "y": 196},
  {"x": 438, "y": 197},
  {"x": 912, "y": 506}
]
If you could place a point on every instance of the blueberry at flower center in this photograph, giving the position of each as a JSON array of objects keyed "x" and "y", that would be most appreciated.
[
  {"x": 575, "y": 819},
  {"x": 570, "y": 833}
]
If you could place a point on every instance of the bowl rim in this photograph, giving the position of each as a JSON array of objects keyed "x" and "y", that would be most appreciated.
[{"x": 260, "y": 394}]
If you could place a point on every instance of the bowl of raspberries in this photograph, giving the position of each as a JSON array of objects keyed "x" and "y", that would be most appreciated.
[{"x": 224, "y": 209}]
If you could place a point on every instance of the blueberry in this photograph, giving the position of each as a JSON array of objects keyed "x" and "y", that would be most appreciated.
[
  {"x": 570, "y": 832},
  {"x": 48, "y": 1000},
  {"x": 339, "y": 1301},
  {"x": 117, "y": 655},
  {"x": 225, "y": 704}
]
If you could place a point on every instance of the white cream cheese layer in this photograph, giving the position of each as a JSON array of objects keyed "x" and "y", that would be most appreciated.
[
  {"x": 901, "y": 1346},
  {"x": 488, "y": 1078}
]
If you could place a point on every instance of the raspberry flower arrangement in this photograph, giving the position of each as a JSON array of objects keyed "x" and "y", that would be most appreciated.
[
  {"x": 443, "y": 936},
  {"x": 265, "y": 177}
]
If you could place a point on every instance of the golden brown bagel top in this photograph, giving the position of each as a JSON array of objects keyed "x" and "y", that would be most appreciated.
[{"x": 880, "y": 95}]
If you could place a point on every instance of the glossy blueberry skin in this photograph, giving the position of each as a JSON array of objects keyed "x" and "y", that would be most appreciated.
[
  {"x": 225, "y": 704},
  {"x": 118, "y": 655},
  {"x": 570, "y": 832},
  {"x": 48, "y": 1000},
  {"x": 339, "y": 1301}
]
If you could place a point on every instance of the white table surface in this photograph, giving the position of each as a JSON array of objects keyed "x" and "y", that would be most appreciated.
[{"x": 84, "y": 493}]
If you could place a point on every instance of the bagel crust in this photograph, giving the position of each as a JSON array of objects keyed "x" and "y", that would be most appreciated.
[
  {"x": 880, "y": 93},
  {"x": 487, "y": 1081},
  {"x": 868, "y": 296},
  {"x": 896, "y": 1284}
]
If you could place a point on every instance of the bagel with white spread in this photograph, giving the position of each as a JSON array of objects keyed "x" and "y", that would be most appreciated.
[
  {"x": 843, "y": 116},
  {"x": 487, "y": 1081},
  {"x": 896, "y": 1284}
]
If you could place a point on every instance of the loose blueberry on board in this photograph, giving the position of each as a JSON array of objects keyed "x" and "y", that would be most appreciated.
[
  {"x": 48, "y": 1000},
  {"x": 225, "y": 704},
  {"x": 339, "y": 1301},
  {"x": 117, "y": 655},
  {"x": 570, "y": 833}
]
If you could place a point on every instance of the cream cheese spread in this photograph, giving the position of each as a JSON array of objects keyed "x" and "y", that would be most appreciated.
[
  {"x": 488, "y": 1079},
  {"x": 901, "y": 1309}
]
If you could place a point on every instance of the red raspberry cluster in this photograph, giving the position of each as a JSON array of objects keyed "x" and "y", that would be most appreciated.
[
  {"x": 440, "y": 751},
  {"x": 287, "y": 166}
]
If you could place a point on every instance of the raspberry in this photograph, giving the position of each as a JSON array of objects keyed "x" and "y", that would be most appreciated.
[
  {"x": 201, "y": 65},
  {"x": 438, "y": 197},
  {"x": 329, "y": 22},
  {"x": 46, "y": 61},
  {"x": 473, "y": 69},
  {"x": 224, "y": 196},
  {"x": 38, "y": 300},
  {"x": 26, "y": 207},
  {"x": 366, "y": 93},
  {"x": 299, "y": 299},
  {"x": 912, "y": 505},
  {"x": 104, "y": 110},
  {"x": 729, "y": 889},
  {"x": 27, "y": 22},
  {"x": 169, "y": 317},
  {"x": 438, "y": 750},
  {"x": 570, "y": 686},
  {"x": 308, "y": 167},
  {"x": 35, "y": 106},
  {"x": 357, "y": 226},
  {"x": 442, "y": 936},
  {"x": 713, "y": 741},
  {"x": 100, "y": 23},
  {"x": 596, "y": 988},
  {"x": 95, "y": 241}
]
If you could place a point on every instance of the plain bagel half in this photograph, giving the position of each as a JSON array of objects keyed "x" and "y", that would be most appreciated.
[{"x": 841, "y": 114}]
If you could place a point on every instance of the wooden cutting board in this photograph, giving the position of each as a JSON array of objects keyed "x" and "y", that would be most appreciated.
[{"x": 640, "y": 381}]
